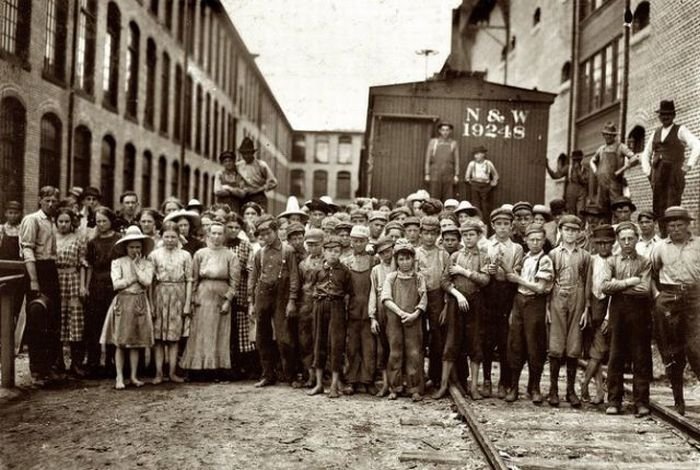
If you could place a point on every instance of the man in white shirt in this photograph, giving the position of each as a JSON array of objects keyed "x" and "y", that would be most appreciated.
[{"x": 663, "y": 159}]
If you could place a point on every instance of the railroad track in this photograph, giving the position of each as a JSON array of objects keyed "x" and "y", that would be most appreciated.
[{"x": 522, "y": 435}]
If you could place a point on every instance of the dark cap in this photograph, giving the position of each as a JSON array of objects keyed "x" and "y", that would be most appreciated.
[
  {"x": 570, "y": 221},
  {"x": 534, "y": 228},
  {"x": 432, "y": 206},
  {"x": 621, "y": 202},
  {"x": 332, "y": 242},
  {"x": 266, "y": 221},
  {"x": 383, "y": 243},
  {"x": 394, "y": 225},
  {"x": 522, "y": 205},
  {"x": 396, "y": 213},
  {"x": 317, "y": 205},
  {"x": 479, "y": 149},
  {"x": 343, "y": 225},
  {"x": 413, "y": 220},
  {"x": 14, "y": 205},
  {"x": 501, "y": 213},
  {"x": 557, "y": 206},
  {"x": 646, "y": 213},
  {"x": 295, "y": 227},
  {"x": 603, "y": 233}
]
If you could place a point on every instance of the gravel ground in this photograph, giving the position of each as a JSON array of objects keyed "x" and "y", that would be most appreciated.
[{"x": 226, "y": 425}]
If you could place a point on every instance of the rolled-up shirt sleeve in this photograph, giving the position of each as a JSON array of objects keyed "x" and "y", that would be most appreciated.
[{"x": 28, "y": 231}]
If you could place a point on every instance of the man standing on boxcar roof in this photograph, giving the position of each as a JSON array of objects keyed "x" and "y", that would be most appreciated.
[
  {"x": 442, "y": 163},
  {"x": 256, "y": 176},
  {"x": 663, "y": 159}
]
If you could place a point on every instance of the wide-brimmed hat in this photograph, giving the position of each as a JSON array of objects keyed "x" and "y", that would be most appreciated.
[
  {"x": 133, "y": 233},
  {"x": 293, "y": 209},
  {"x": 666, "y": 107},
  {"x": 227, "y": 154},
  {"x": 603, "y": 233},
  {"x": 593, "y": 209},
  {"x": 609, "y": 129},
  {"x": 192, "y": 217},
  {"x": 194, "y": 203},
  {"x": 676, "y": 213},
  {"x": 621, "y": 202},
  {"x": 247, "y": 146},
  {"x": 577, "y": 154},
  {"x": 445, "y": 123},
  {"x": 329, "y": 202},
  {"x": 466, "y": 206},
  {"x": 316, "y": 204}
]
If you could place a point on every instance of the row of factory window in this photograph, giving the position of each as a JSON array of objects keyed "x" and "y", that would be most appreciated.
[
  {"x": 320, "y": 187},
  {"x": 12, "y": 149},
  {"x": 209, "y": 117},
  {"x": 322, "y": 149}
]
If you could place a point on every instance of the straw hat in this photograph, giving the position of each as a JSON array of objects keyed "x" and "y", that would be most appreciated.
[
  {"x": 192, "y": 217},
  {"x": 133, "y": 233},
  {"x": 293, "y": 209}
]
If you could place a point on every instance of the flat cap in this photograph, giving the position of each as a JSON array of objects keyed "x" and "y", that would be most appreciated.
[
  {"x": 266, "y": 221},
  {"x": 403, "y": 245},
  {"x": 343, "y": 225},
  {"x": 676, "y": 213},
  {"x": 358, "y": 213},
  {"x": 451, "y": 204},
  {"x": 522, "y": 206},
  {"x": 570, "y": 221},
  {"x": 13, "y": 205},
  {"x": 396, "y": 213},
  {"x": 332, "y": 242},
  {"x": 378, "y": 215},
  {"x": 383, "y": 244},
  {"x": 471, "y": 226},
  {"x": 329, "y": 223},
  {"x": 295, "y": 227},
  {"x": 646, "y": 213},
  {"x": 501, "y": 213},
  {"x": 603, "y": 233},
  {"x": 413, "y": 220},
  {"x": 626, "y": 225},
  {"x": 359, "y": 231},
  {"x": 534, "y": 228},
  {"x": 450, "y": 227},
  {"x": 394, "y": 225},
  {"x": 314, "y": 235},
  {"x": 543, "y": 210},
  {"x": 429, "y": 223}
]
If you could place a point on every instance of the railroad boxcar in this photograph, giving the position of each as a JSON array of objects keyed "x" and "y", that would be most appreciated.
[{"x": 510, "y": 122}]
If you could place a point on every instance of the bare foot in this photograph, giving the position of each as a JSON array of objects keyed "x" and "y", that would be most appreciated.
[
  {"x": 440, "y": 393},
  {"x": 383, "y": 391},
  {"x": 333, "y": 393},
  {"x": 119, "y": 385},
  {"x": 476, "y": 395},
  {"x": 158, "y": 379},
  {"x": 309, "y": 383},
  {"x": 176, "y": 378},
  {"x": 416, "y": 396},
  {"x": 599, "y": 398},
  {"x": 137, "y": 382},
  {"x": 393, "y": 396},
  {"x": 317, "y": 390}
]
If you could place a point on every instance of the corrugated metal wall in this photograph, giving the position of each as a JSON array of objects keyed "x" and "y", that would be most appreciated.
[{"x": 490, "y": 123}]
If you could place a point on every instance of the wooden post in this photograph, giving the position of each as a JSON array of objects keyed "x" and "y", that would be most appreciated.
[{"x": 7, "y": 355}]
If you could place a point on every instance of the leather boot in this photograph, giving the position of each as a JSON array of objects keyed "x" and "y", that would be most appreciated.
[
  {"x": 536, "y": 395},
  {"x": 571, "y": 397},
  {"x": 512, "y": 394},
  {"x": 554, "y": 365},
  {"x": 677, "y": 387}
]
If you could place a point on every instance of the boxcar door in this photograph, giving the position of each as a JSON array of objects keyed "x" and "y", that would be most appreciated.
[{"x": 398, "y": 156}]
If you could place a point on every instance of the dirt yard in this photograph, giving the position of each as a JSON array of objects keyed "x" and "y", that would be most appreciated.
[{"x": 227, "y": 425}]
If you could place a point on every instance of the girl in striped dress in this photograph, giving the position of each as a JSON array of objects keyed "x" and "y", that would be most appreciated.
[
  {"x": 70, "y": 261},
  {"x": 172, "y": 296}
]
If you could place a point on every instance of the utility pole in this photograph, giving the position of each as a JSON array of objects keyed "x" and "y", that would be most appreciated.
[{"x": 426, "y": 53}]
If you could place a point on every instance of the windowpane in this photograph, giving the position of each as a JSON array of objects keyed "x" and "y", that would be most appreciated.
[
  {"x": 188, "y": 111},
  {"x": 343, "y": 185},
  {"x": 169, "y": 15},
  {"x": 207, "y": 121},
  {"x": 181, "y": 21},
  {"x": 198, "y": 121},
  {"x": 129, "y": 168},
  {"x": 320, "y": 183},
  {"x": 345, "y": 149},
  {"x": 195, "y": 189},
  {"x": 215, "y": 139},
  {"x": 151, "y": 58},
  {"x": 597, "y": 97},
  {"x": 132, "y": 71},
  {"x": 85, "y": 67},
  {"x": 186, "y": 174},
  {"x": 82, "y": 144},
  {"x": 299, "y": 149},
  {"x": 146, "y": 174},
  {"x": 165, "y": 94},
  {"x": 174, "y": 179},
  {"x": 162, "y": 171},
  {"x": 13, "y": 120},
  {"x": 297, "y": 183},
  {"x": 177, "y": 123},
  {"x": 15, "y": 27},
  {"x": 205, "y": 189},
  {"x": 618, "y": 68},
  {"x": 322, "y": 149},
  {"x": 107, "y": 171},
  {"x": 110, "y": 81},
  {"x": 50, "y": 152},
  {"x": 610, "y": 77}
]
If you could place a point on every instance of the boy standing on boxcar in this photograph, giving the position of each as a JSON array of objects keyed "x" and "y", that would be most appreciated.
[
  {"x": 331, "y": 286},
  {"x": 603, "y": 239},
  {"x": 361, "y": 345},
  {"x": 527, "y": 338},
  {"x": 431, "y": 262},
  {"x": 628, "y": 282},
  {"x": 566, "y": 306},
  {"x": 405, "y": 296},
  {"x": 505, "y": 257},
  {"x": 461, "y": 320},
  {"x": 376, "y": 310}
]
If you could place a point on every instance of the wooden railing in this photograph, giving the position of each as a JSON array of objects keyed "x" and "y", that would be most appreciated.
[{"x": 11, "y": 279}]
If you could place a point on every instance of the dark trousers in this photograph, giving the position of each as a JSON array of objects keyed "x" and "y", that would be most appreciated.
[
  {"x": 270, "y": 305},
  {"x": 361, "y": 352},
  {"x": 43, "y": 330},
  {"x": 481, "y": 195},
  {"x": 499, "y": 302},
  {"x": 527, "y": 337},
  {"x": 405, "y": 354},
  {"x": 436, "y": 343},
  {"x": 329, "y": 334},
  {"x": 667, "y": 186},
  {"x": 98, "y": 303},
  {"x": 442, "y": 187},
  {"x": 630, "y": 339},
  {"x": 677, "y": 328},
  {"x": 382, "y": 338},
  {"x": 575, "y": 197},
  {"x": 305, "y": 337}
]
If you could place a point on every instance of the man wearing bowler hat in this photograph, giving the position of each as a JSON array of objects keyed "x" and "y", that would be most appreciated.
[
  {"x": 675, "y": 263},
  {"x": 442, "y": 163},
  {"x": 663, "y": 159},
  {"x": 608, "y": 165},
  {"x": 255, "y": 175}
]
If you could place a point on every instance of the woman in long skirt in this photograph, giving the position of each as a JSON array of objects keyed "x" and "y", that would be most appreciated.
[
  {"x": 216, "y": 275},
  {"x": 129, "y": 324},
  {"x": 172, "y": 297},
  {"x": 70, "y": 261}
]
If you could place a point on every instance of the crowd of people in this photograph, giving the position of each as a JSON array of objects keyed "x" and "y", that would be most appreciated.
[{"x": 361, "y": 294}]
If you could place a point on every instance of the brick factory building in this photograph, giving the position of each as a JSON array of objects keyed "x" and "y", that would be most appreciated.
[
  {"x": 575, "y": 48},
  {"x": 325, "y": 163},
  {"x": 109, "y": 94}
]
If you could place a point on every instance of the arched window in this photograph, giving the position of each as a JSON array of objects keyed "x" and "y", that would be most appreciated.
[
  {"x": 195, "y": 190},
  {"x": 110, "y": 67},
  {"x": 205, "y": 189},
  {"x": 641, "y": 17},
  {"x": 566, "y": 72},
  {"x": 15, "y": 27},
  {"x": 190, "y": 26},
  {"x": 13, "y": 121},
  {"x": 343, "y": 189},
  {"x": 299, "y": 148},
  {"x": 320, "y": 183},
  {"x": 107, "y": 163},
  {"x": 174, "y": 179},
  {"x": 87, "y": 28},
  {"x": 162, "y": 178},
  {"x": 345, "y": 149},
  {"x": 181, "y": 21},
  {"x": 56, "y": 32},
  {"x": 165, "y": 94},
  {"x": 536, "y": 16},
  {"x": 146, "y": 174},
  {"x": 186, "y": 175},
  {"x": 635, "y": 139},
  {"x": 207, "y": 122},
  {"x": 297, "y": 183},
  {"x": 132, "y": 71},
  {"x": 169, "y": 15},
  {"x": 177, "y": 121},
  {"x": 82, "y": 156},
  {"x": 215, "y": 138},
  {"x": 188, "y": 111},
  {"x": 198, "y": 121},
  {"x": 50, "y": 151},
  {"x": 151, "y": 59},
  {"x": 129, "y": 179}
]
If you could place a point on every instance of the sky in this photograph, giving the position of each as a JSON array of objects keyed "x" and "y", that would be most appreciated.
[{"x": 321, "y": 56}]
